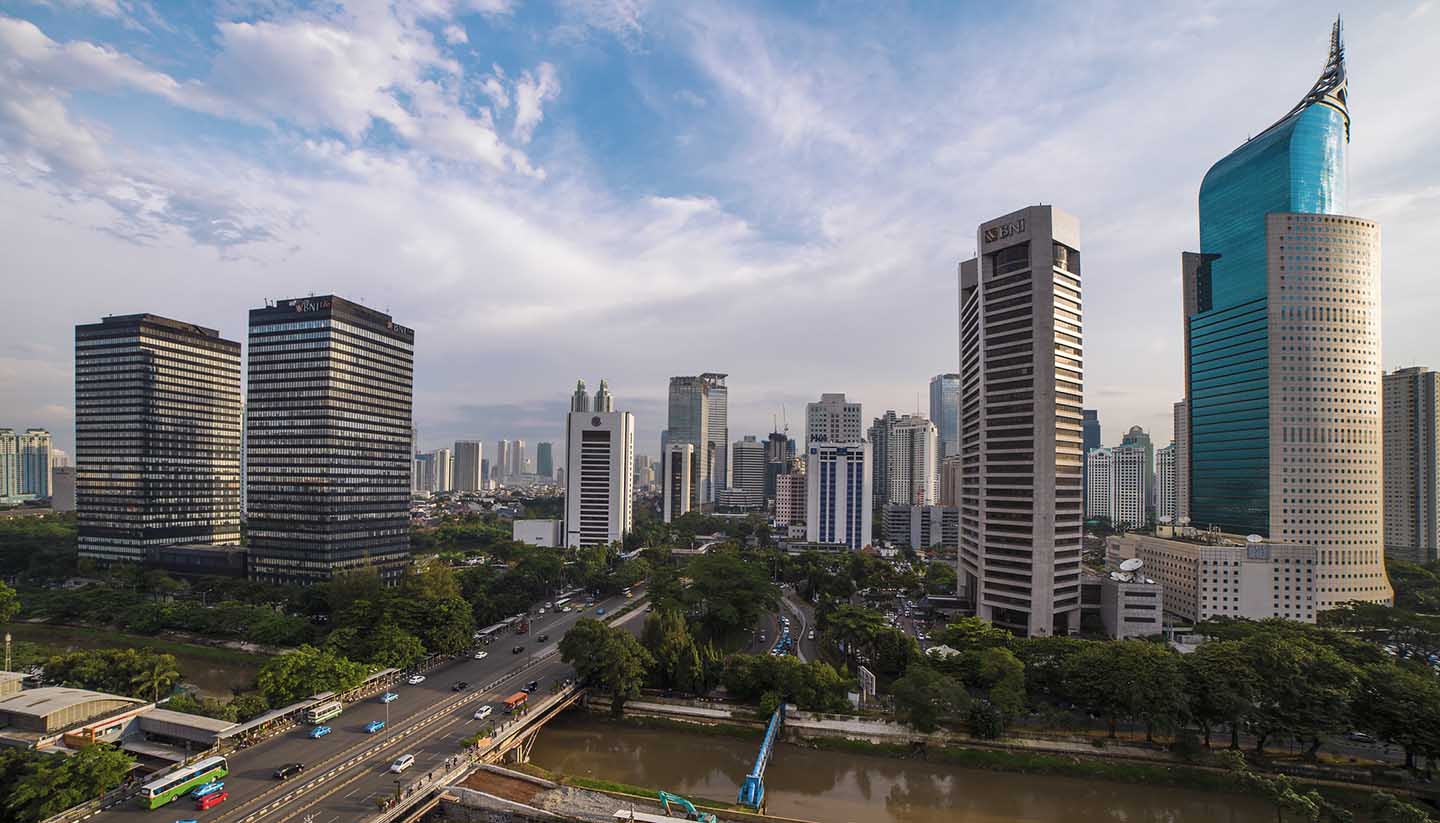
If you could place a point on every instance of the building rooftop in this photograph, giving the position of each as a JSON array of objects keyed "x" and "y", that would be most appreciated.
[{"x": 47, "y": 700}]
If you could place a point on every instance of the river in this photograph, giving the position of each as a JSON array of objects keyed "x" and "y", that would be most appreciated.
[{"x": 837, "y": 787}]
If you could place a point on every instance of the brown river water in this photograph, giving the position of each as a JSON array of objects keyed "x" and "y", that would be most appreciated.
[{"x": 840, "y": 787}]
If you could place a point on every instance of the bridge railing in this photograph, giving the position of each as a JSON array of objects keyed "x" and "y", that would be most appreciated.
[{"x": 752, "y": 791}]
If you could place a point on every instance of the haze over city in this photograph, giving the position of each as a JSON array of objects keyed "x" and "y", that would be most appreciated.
[{"x": 632, "y": 191}]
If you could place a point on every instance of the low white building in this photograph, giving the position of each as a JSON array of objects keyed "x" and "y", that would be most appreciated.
[{"x": 543, "y": 533}]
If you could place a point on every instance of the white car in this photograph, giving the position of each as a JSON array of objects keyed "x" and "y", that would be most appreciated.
[
  {"x": 415, "y": 679},
  {"x": 481, "y": 655},
  {"x": 484, "y": 712},
  {"x": 404, "y": 762}
]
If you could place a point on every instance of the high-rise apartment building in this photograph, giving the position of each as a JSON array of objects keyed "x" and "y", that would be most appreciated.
[
  {"x": 1116, "y": 487},
  {"x": 545, "y": 460},
  {"x": 1181, "y": 413},
  {"x": 945, "y": 412},
  {"x": 913, "y": 470},
  {"x": 329, "y": 429},
  {"x": 444, "y": 470},
  {"x": 1021, "y": 422},
  {"x": 157, "y": 436},
  {"x": 839, "y": 503},
  {"x": 1412, "y": 485},
  {"x": 680, "y": 474},
  {"x": 1165, "y": 498},
  {"x": 832, "y": 420},
  {"x": 504, "y": 457},
  {"x": 878, "y": 436},
  {"x": 790, "y": 494},
  {"x": 1282, "y": 345},
  {"x": 599, "y": 470},
  {"x": 426, "y": 477},
  {"x": 26, "y": 459},
  {"x": 1090, "y": 440},
  {"x": 468, "y": 460},
  {"x": 518, "y": 458},
  {"x": 747, "y": 467}
]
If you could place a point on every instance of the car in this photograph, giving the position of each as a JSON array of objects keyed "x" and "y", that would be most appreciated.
[
  {"x": 415, "y": 679},
  {"x": 209, "y": 788},
  {"x": 517, "y": 648},
  {"x": 811, "y": 635},
  {"x": 484, "y": 712},
  {"x": 289, "y": 770},
  {"x": 542, "y": 611},
  {"x": 548, "y": 605},
  {"x": 542, "y": 638},
  {"x": 210, "y": 801},
  {"x": 459, "y": 686},
  {"x": 319, "y": 731},
  {"x": 389, "y": 697},
  {"x": 600, "y": 611},
  {"x": 1359, "y": 737},
  {"x": 481, "y": 655},
  {"x": 374, "y": 726},
  {"x": 402, "y": 763}
]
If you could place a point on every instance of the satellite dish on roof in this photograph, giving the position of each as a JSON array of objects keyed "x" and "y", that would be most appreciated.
[
  {"x": 1254, "y": 538},
  {"x": 1131, "y": 565},
  {"x": 1184, "y": 521},
  {"x": 1165, "y": 520}
]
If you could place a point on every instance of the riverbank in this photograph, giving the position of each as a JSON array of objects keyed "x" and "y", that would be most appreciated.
[{"x": 216, "y": 671}]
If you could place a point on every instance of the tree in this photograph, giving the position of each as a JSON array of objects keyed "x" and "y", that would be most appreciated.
[
  {"x": 1128, "y": 679},
  {"x": 729, "y": 593},
  {"x": 1004, "y": 676},
  {"x": 306, "y": 671},
  {"x": 1400, "y": 704},
  {"x": 1387, "y": 808},
  {"x": 923, "y": 697},
  {"x": 677, "y": 660},
  {"x": 50, "y": 784},
  {"x": 1307, "y": 692},
  {"x": 1222, "y": 687},
  {"x": 608, "y": 658},
  {"x": 159, "y": 673},
  {"x": 9, "y": 603}
]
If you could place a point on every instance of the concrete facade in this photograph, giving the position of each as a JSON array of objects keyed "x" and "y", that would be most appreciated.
[{"x": 1412, "y": 486}]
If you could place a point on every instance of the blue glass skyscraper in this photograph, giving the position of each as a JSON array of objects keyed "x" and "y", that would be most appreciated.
[{"x": 1296, "y": 166}]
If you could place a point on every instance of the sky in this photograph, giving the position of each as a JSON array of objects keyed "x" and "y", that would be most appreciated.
[{"x": 630, "y": 190}]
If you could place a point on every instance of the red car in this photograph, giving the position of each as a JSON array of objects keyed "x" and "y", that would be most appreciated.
[{"x": 210, "y": 801}]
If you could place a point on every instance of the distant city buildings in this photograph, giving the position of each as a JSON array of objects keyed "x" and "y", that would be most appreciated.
[
  {"x": 502, "y": 461},
  {"x": 62, "y": 488},
  {"x": 25, "y": 462},
  {"x": 747, "y": 468},
  {"x": 945, "y": 412},
  {"x": 1181, "y": 412},
  {"x": 1022, "y": 483},
  {"x": 839, "y": 503},
  {"x": 1140, "y": 439},
  {"x": 328, "y": 470},
  {"x": 790, "y": 497},
  {"x": 1412, "y": 456},
  {"x": 921, "y": 526},
  {"x": 157, "y": 437},
  {"x": 1282, "y": 349},
  {"x": 832, "y": 420},
  {"x": 698, "y": 415},
  {"x": 1116, "y": 487},
  {"x": 599, "y": 470},
  {"x": 1090, "y": 440},
  {"x": 680, "y": 474},
  {"x": 1166, "y": 501},
  {"x": 545, "y": 460},
  {"x": 878, "y": 436},
  {"x": 468, "y": 463}
]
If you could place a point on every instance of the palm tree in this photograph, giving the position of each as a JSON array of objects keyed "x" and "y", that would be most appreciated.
[{"x": 159, "y": 673}]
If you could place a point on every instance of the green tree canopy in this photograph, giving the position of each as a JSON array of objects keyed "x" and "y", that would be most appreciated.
[
  {"x": 608, "y": 658},
  {"x": 924, "y": 697},
  {"x": 307, "y": 670}
]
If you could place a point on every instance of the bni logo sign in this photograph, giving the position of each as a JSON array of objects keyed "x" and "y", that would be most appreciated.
[{"x": 1004, "y": 230}]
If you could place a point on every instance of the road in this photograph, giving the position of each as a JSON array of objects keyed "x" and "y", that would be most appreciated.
[{"x": 347, "y": 771}]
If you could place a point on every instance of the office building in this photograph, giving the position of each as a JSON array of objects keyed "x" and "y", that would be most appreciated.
[
  {"x": 599, "y": 470},
  {"x": 1165, "y": 499},
  {"x": 1131, "y": 605},
  {"x": 1282, "y": 344},
  {"x": 921, "y": 527},
  {"x": 1139, "y": 438},
  {"x": 680, "y": 474},
  {"x": 1115, "y": 487},
  {"x": 689, "y": 422},
  {"x": 504, "y": 457},
  {"x": 545, "y": 460},
  {"x": 518, "y": 459},
  {"x": 1211, "y": 574},
  {"x": 157, "y": 437},
  {"x": 747, "y": 467},
  {"x": 790, "y": 492},
  {"x": 427, "y": 480},
  {"x": 328, "y": 469},
  {"x": 468, "y": 462},
  {"x": 839, "y": 503},
  {"x": 951, "y": 480},
  {"x": 832, "y": 420},
  {"x": 777, "y": 459},
  {"x": 444, "y": 470},
  {"x": 1090, "y": 440},
  {"x": 945, "y": 412},
  {"x": 1412, "y": 494},
  {"x": 62, "y": 488},
  {"x": 913, "y": 470},
  {"x": 717, "y": 430},
  {"x": 1021, "y": 422},
  {"x": 878, "y": 436},
  {"x": 1181, "y": 413}
]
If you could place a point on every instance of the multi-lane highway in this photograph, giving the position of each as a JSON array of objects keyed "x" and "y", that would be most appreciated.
[{"x": 347, "y": 771}]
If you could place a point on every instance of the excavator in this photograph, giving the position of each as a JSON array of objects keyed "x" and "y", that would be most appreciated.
[{"x": 691, "y": 813}]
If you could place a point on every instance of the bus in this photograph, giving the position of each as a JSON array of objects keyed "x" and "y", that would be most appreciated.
[
  {"x": 162, "y": 790},
  {"x": 516, "y": 702},
  {"x": 315, "y": 715},
  {"x": 560, "y": 605}
]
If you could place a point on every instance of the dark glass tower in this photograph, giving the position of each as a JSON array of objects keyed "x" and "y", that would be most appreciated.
[
  {"x": 328, "y": 423},
  {"x": 1296, "y": 166}
]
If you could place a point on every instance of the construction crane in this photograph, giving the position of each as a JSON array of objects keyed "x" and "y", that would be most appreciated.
[{"x": 691, "y": 813}]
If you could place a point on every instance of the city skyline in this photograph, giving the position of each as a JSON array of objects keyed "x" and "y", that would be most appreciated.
[{"x": 271, "y": 211}]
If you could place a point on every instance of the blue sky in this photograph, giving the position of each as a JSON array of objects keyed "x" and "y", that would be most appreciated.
[{"x": 632, "y": 190}]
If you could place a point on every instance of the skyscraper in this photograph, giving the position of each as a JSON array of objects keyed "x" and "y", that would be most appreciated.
[
  {"x": 1140, "y": 439},
  {"x": 945, "y": 412},
  {"x": 1181, "y": 413},
  {"x": 913, "y": 470},
  {"x": 517, "y": 458},
  {"x": 832, "y": 420},
  {"x": 1282, "y": 346},
  {"x": 599, "y": 470},
  {"x": 25, "y": 462},
  {"x": 717, "y": 430},
  {"x": 1412, "y": 455},
  {"x": 838, "y": 495},
  {"x": 689, "y": 422},
  {"x": 1021, "y": 422},
  {"x": 747, "y": 467},
  {"x": 157, "y": 436},
  {"x": 1116, "y": 483},
  {"x": 1165, "y": 499},
  {"x": 444, "y": 470},
  {"x": 678, "y": 477},
  {"x": 1090, "y": 439},
  {"x": 504, "y": 456},
  {"x": 545, "y": 460},
  {"x": 878, "y": 436},
  {"x": 468, "y": 460},
  {"x": 328, "y": 469}
]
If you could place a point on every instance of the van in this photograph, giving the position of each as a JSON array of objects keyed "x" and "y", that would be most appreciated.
[
  {"x": 484, "y": 712},
  {"x": 404, "y": 762}
]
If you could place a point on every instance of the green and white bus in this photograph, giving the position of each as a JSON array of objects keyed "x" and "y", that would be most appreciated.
[
  {"x": 322, "y": 712},
  {"x": 162, "y": 790}
]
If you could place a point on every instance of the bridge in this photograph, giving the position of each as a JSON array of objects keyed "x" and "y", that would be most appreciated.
[
  {"x": 752, "y": 791},
  {"x": 346, "y": 776}
]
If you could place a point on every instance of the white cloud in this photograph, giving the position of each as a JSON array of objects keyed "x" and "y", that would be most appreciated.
[
  {"x": 455, "y": 34},
  {"x": 532, "y": 92}
]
